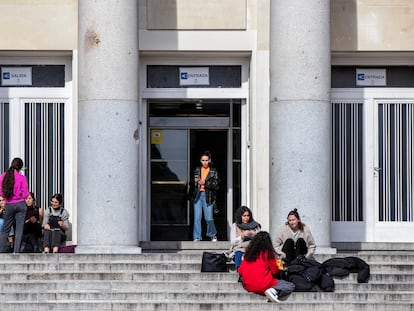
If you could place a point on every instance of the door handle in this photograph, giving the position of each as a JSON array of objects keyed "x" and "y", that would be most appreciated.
[
  {"x": 166, "y": 182},
  {"x": 377, "y": 169}
]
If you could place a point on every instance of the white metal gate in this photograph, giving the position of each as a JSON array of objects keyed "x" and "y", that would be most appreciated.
[{"x": 373, "y": 173}]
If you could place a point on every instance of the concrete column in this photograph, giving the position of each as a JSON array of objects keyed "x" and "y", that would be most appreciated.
[
  {"x": 300, "y": 115},
  {"x": 108, "y": 127}
]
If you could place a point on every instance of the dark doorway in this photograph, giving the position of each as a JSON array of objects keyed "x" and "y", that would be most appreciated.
[
  {"x": 216, "y": 142},
  {"x": 179, "y": 132}
]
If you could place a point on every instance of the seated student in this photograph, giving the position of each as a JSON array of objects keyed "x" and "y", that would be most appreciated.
[
  {"x": 55, "y": 224},
  {"x": 242, "y": 231},
  {"x": 294, "y": 239},
  {"x": 32, "y": 230},
  {"x": 258, "y": 269}
]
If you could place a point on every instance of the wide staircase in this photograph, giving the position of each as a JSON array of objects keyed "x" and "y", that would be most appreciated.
[{"x": 167, "y": 277}]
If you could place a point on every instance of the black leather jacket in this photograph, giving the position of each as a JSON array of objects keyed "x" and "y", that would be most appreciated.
[{"x": 211, "y": 184}]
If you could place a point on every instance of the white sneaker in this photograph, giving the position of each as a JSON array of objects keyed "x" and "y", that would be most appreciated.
[
  {"x": 271, "y": 294},
  {"x": 214, "y": 239},
  {"x": 196, "y": 240}
]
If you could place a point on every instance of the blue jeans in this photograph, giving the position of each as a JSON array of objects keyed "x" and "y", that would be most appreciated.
[
  {"x": 200, "y": 207},
  {"x": 284, "y": 288},
  {"x": 238, "y": 257}
]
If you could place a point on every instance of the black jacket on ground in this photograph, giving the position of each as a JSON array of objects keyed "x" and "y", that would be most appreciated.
[
  {"x": 309, "y": 275},
  {"x": 343, "y": 266}
]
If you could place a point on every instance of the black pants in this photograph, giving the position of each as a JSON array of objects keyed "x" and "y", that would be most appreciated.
[
  {"x": 293, "y": 250},
  {"x": 32, "y": 233}
]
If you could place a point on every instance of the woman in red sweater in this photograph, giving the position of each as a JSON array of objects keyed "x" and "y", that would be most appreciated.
[{"x": 258, "y": 270}]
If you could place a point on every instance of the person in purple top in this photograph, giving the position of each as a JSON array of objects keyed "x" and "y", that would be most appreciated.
[{"x": 13, "y": 187}]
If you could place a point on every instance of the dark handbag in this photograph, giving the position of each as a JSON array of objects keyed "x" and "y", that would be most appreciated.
[
  {"x": 213, "y": 262},
  {"x": 67, "y": 248}
]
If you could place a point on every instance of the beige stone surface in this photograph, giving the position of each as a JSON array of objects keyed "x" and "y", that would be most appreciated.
[
  {"x": 196, "y": 14},
  {"x": 38, "y": 25},
  {"x": 372, "y": 25}
]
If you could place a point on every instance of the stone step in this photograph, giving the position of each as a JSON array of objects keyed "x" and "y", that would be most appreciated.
[
  {"x": 136, "y": 266},
  {"x": 103, "y": 285},
  {"x": 173, "y": 281},
  {"x": 156, "y": 275},
  {"x": 203, "y": 295},
  {"x": 339, "y": 247},
  {"x": 175, "y": 305},
  {"x": 369, "y": 257}
]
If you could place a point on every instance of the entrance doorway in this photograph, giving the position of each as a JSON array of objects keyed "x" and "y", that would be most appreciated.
[
  {"x": 373, "y": 165},
  {"x": 179, "y": 132}
]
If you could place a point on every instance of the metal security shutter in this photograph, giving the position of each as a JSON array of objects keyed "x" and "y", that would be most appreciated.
[
  {"x": 347, "y": 196},
  {"x": 44, "y": 151},
  {"x": 395, "y": 144},
  {"x": 4, "y": 135}
]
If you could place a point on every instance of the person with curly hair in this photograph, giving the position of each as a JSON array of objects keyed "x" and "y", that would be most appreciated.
[
  {"x": 258, "y": 270},
  {"x": 13, "y": 187}
]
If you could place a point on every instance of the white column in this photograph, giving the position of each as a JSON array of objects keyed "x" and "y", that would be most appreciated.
[
  {"x": 300, "y": 115},
  {"x": 108, "y": 127}
]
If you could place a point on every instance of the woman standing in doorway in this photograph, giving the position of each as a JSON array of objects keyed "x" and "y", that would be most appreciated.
[
  {"x": 13, "y": 187},
  {"x": 206, "y": 184}
]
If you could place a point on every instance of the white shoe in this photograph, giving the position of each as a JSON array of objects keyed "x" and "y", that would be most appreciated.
[
  {"x": 196, "y": 240},
  {"x": 214, "y": 239},
  {"x": 271, "y": 294}
]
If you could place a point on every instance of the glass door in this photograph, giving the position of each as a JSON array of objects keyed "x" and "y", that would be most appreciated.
[
  {"x": 179, "y": 132},
  {"x": 170, "y": 218}
]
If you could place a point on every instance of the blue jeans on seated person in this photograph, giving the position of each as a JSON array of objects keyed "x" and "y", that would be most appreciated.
[
  {"x": 284, "y": 288},
  {"x": 238, "y": 257}
]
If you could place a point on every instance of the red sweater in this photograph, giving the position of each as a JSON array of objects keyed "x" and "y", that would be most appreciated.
[{"x": 258, "y": 276}]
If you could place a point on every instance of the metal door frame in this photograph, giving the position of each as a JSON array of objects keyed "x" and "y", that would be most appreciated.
[{"x": 193, "y": 123}]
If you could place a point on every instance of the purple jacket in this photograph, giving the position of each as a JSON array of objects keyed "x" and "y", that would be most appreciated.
[{"x": 20, "y": 192}]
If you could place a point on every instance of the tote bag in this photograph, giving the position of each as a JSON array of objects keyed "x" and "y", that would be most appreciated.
[{"x": 213, "y": 262}]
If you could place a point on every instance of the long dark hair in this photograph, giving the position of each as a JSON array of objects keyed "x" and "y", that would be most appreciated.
[
  {"x": 31, "y": 194},
  {"x": 295, "y": 213},
  {"x": 239, "y": 213},
  {"x": 207, "y": 153},
  {"x": 8, "y": 181},
  {"x": 261, "y": 244}
]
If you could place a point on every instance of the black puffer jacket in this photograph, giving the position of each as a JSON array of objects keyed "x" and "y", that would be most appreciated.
[
  {"x": 341, "y": 267},
  {"x": 309, "y": 275},
  {"x": 211, "y": 184}
]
